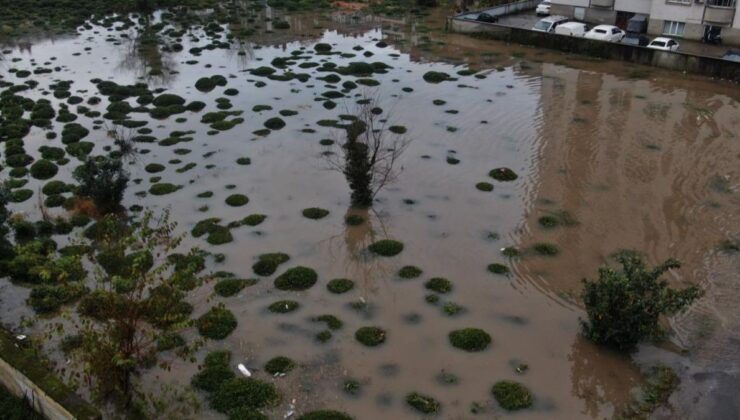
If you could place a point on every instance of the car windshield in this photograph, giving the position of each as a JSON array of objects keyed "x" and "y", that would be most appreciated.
[
  {"x": 542, "y": 25},
  {"x": 599, "y": 31},
  {"x": 658, "y": 43}
]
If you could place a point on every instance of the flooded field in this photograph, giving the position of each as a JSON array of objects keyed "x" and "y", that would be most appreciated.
[{"x": 620, "y": 157}]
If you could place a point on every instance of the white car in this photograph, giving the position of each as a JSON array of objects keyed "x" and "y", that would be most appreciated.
[
  {"x": 549, "y": 24},
  {"x": 605, "y": 33},
  {"x": 572, "y": 29},
  {"x": 543, "y": 9},
  {"x": 663, "y": 44}
]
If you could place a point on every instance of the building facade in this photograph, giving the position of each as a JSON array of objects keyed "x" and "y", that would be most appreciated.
[{"x": 689, "y": 19}]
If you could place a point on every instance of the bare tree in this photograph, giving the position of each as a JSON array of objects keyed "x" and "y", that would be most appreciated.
[{"x": 369, "y": 153}]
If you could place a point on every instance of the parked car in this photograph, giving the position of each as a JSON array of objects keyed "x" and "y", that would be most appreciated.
[
  {"x": 605, "y": 33},
  {"x": 636, "y": 28},
  {"x": 663, "y": 44},
  {"x": 543, "y": 9},
  {"x": 732, "y": 55},
  {"x": 549, "y": 23},
  {"x": 486, "y": 17},
  {"x": 572, "y": 29}
]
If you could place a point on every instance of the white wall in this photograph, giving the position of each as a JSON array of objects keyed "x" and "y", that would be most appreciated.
[
  {"x": 634, "y": 6},
  {"x": 578, "y": 3},
  {"x": 663, "y": 10}
]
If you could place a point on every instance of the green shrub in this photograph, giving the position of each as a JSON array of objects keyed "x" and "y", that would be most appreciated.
[
  {"x": 315, "y": 213},
  {"x": 496, "y": 268},
  {"x": 253, "y": 219},
  {"x": 470, "y": 339},
  {"x": 43, "y": 169},
  {"x": 217, "y": 323},
  {"x": 246, "y": 413},
  {"x": 237, "y": 200},
  {"x": 219, "y": 235},
  {"x": 386, "y": 247},
  {"x": 163, "y": 188},
  {"x": 439, "y": 285},
  {"x": 283, "y": 306},
  {"x": 275, "y": 123},
  {"x": 279, "y": 364},
  {"x": 324, "y": 415},
  {"x": 484, "y": 186},
  {"x": 49, "y": 298},
  {"x": 511, "y": 395},
  {"x": 332, "y": 322},
  {"x": 230, "y": 287},
  {"x": 154, "y": 168},
  {"x": 503, "y": 174},
  {"x": 435, "y": 77},
  {"x": 354, "y": 220},
  {"x": 296, "y": 278},
  {"x": 546, "y": 249},
  {"x": 267, "y": 263},
  {"x": 409, "y": 272},
  {"x": 624, "y": 307},
  {"x": 244, "y": 392},
  {"x": 422, "y": 403},
  {"x": 340, "y": 286},
  {"x": 370, "y": 336},
  {"x": 103, "y": 180},
  {"x": 168, "y": 99}
]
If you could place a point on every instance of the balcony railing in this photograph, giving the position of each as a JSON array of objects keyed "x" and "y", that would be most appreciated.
[
  {"x": 719, "y": 12},
  {"x": 602, "y": 3},
  {"x": 721, "y": 3}
]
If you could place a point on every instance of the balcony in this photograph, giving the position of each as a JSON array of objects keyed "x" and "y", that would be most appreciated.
[
  {"x": 604, "y": 4},
  {"x": 719, "y": 12}
]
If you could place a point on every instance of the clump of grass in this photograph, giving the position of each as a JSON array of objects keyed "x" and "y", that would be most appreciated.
[
  {"x": 267, "y": 264},
  {"x": 503, "y": 174},
  {"x": 422, "y": 403},
  {"x": 237, "y": 200},
  {"x": 439, "y": 285},
  {"x": 511, "y": 395},
  {"x": 386, "y": 247},
  {"x": 283, "y": 306},
  {"x": 354, "y": 220},
  {"x": 230, "y": 287},
  {"x": 279, "y": 365},
  {"x": 216, "y": 371},
  {"x": 339, "y": 286},
  {"x": 497, "y": 268},
  {"x": 546, "y": 249},
  {"x": 452, "y": 309},
  {"x": 331, "y": 321},
  {"x": 325, "y": 415},
  {"x": 409, "y": 272},
  {"x": 297, "y": 278},
  {"x": 370, "y": 336},
  {"x": 275, "y": 123},
  {"x": 315, "y": 213},
  {"x": 244, "y": 392},
  {"x": 435, "y": 77},
  {"x": 217, "y": 323},
  {"x": 510, "y": 252},
  {"x": 219, "y": 235},
  {"x": 470, "y": 339},
  {"x": 447, "y": 378},
  {"x": 484, "y": 186},
  {"x": 163, "y": 188}
]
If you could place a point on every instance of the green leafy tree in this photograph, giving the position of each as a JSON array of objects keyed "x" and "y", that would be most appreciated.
[
  {"x": 137, "y": 308},
  {"x": 103, "y": 180},
  {"x": 624, "y": 307}
]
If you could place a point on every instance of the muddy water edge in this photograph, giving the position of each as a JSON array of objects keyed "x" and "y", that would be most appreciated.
[{"x": 637, "y": 158}]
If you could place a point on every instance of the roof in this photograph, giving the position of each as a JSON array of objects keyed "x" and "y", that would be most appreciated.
[
  {"x": 604, "y": 27},
  {"x": 555, "y": 18},
  {"x": 662, "y": 39}
]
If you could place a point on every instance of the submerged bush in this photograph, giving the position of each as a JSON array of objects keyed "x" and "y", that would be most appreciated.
[
  {"x": 230, "y": 287},
  {"x": 283, "y": 306},
  {"x": 217, "y": 323},
  {"x": 435, "y": 77},
  {"x": 325, "y": 415},
  {"x": 470, "y": 339},
  {"x": 409, "y": 272},
  {"x": 511, "y": 395},
  {"x": 237, "y": 200},
  {"x": 315, "y": 213},
  {"x": 386, "y": 247},
  {"x": 104, "y": 180},
  {"x": 370, "y": 336},
  {"x": 267, "y": 263},
  {"x": 296, "y": 278},
  {"x": 624, "y": 307},
  {"x": 279, "y": 364},
  {"x": 503, "y": 174},
  {"x": 43, "y": 169},
  {"x": 339, "y": 286},
  {"x": 422, "y": 403},
  {"x": 439, "y": 285},
  {"x": 244, "y": 392}
]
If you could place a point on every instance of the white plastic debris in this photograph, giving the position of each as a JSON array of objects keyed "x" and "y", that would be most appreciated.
[
  {"x": 243, "y": 369},
  {"x": 20, "y": 337},
  {"x": 291, "y": 410}
]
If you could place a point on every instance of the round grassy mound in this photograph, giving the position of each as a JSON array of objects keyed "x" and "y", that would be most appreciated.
[
  {"x": 409, "y": 272},
  {"x": 217, "y": 323},
  {"x": 43, "y": 169},
  {"x": 370, "y": 336},
  {"x": 386, "y": 247},
  {"x": 297, "y": 279},
  {"x": 244, "y": 392},
  {"x": 497, "y": 268},
  {"x": 237, "y": 200},
  {"x": 470, "y": 339},
  {"x": 503, "y": 174},
  {"x": 439, "y": 285},
  {"x": 315, "y": 213},
  {"x": 512, "y": 395},
  {"x": 340, "y": 286},
  {"x": 279, "y": 364},
  {"x": 422, "y": 403},
  {"x": 283, "y": 306},
  {"x": 325, "y": 415}
]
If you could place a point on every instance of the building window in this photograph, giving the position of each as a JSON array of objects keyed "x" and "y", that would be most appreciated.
[
  {"x": 579, "y": 13},
  {"x": 674, "y": 28}
]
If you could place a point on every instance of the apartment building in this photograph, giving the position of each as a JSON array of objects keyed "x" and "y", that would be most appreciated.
[{"x": 689, "y": 19}]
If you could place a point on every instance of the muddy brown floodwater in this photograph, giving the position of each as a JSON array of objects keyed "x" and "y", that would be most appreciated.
[{"x": 638, "y": 158}]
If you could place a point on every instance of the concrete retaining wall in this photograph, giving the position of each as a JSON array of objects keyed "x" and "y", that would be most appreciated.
[
  {"x": 26, "y": 376},
  {"x": 706, "y": 66}
]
